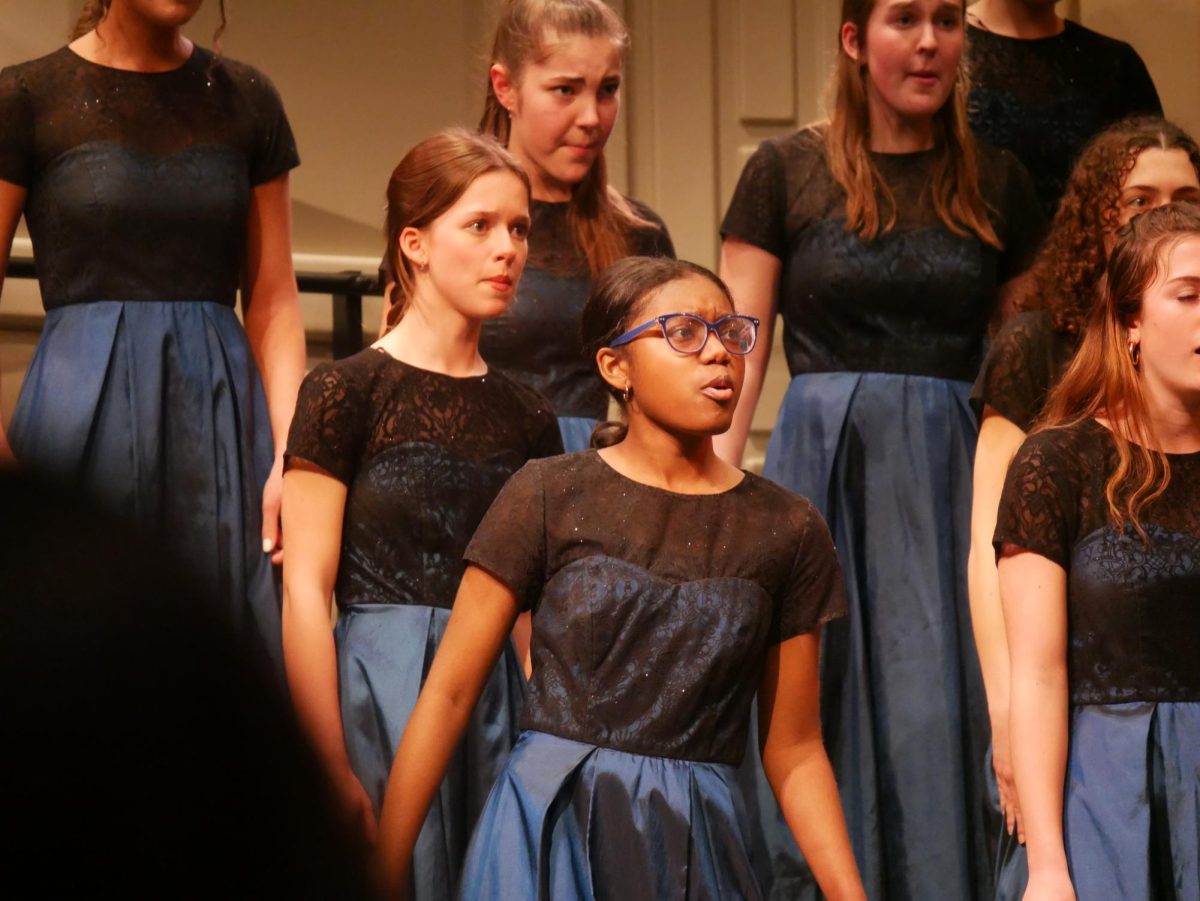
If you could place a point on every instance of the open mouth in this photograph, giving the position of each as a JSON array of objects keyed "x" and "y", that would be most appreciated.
[{"x": 719, "y": 389}]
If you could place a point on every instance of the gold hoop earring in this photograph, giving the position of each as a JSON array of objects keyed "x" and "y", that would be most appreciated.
[
  {"x": 1135, "y": 353},
  {"x": 627, "y": 393}
]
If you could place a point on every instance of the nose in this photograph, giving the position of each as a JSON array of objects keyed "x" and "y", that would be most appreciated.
[
  {"x": 713, "y": 351},
  {"x": 927, "y": 39},
  {"x": 588, "y": 114},
  {"x": 504, "y": 246}
]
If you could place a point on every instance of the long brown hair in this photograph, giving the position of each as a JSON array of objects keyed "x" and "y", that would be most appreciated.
[
  {"x": 599, "y": 218},
  {"x": 955, "y": 190},
  {"x": 426, "y": 183},
  {"x": 1072, "y": 260},
  {"x": 1103, "y": 379},
  {"x": 94, "y": 12}
]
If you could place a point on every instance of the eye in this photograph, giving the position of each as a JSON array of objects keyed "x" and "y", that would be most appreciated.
[
  {"x": 479, "y": 226},
  {"x": 610, "y": 89},
  {"x": 520, "y": 230},
  {"x": 681, "y": 331},
  {"x": 563, "y": 90},
  {"x": 1137, "y": 202}
]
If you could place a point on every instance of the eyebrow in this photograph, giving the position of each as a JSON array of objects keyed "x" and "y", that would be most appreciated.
[{"x": 1188, "y": 279}]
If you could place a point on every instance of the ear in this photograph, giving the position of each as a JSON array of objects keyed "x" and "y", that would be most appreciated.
[
  {"x": 503, "y": 86},
  {"x": 614, "y": 367},
  {"x": 850, "y": 40},
  {"x": 1134, "y": 324},
  {"x": 412, "y": 246}
]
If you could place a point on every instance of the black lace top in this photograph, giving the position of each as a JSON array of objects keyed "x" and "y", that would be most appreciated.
[
  {"x": 1026, "y": 360},
  {"x": 536, "y": 340},
  {"x": 652, "y": 610},
  {"x": 139, "y": 183},
  {"x": 423, "y": 455},
  {"x": 1133, "y": 609},
  {"x": 1044, "y": 99},
  {"x": 917, "y": 299}
]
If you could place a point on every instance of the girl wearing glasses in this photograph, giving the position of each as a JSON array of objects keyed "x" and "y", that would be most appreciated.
[
  {"x": 554, "y": 89},
  {"x": 393, "y": 458},
  {"x": 667, "y": 588},
  {"x": 883, "y": 238},
  {"x": 153, "y": 176}
]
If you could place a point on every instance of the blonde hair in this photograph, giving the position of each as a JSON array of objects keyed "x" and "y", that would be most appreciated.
[
  {"x": 427, "y": 182},
  {"x": 1103, "y": 379},
  {"x": 956, "y": 195},
  {"x": 599, "y": 218}
]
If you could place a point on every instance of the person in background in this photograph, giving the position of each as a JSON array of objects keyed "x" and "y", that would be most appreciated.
[
  {"x": 394, "y": 455},
  {"x": 554, "y": 89},
  {"x": 1043, "y": 86},
  {"x": 1098, "y": 535},
  {"x": 667, "y": 587},
  {"x": 153, "y": 176},
  {"x": 1136, "y": 165},
  {"x": 888, "y": 240}
]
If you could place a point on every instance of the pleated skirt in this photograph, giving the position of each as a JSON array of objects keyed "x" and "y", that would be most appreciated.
[
  {"x": 157, "y": 410},
  {"x": 384, "y": 652},
  {"x": 887, "y": 459},
  {"x": 570, "y": 821}
]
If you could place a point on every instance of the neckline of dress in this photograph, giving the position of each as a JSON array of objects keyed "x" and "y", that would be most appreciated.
[
  {"x": 667, "y": 491},
  {"x": 192, "y": 57},
  {"x": 1068, "y": 27},
  {"x": 443, "y": 375}
]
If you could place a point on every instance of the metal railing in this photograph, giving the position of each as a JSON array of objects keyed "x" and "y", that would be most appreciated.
[{"x": 345, "y": 289}]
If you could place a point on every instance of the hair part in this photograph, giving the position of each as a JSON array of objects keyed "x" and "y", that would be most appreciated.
[
  {"x": 600, "y": 220},
  {"x": 955, "y": 190},
  {"x": 429, "y": 180},
  {"x": 1103, "y": 381},
  {"x": 1068, "y": 269},
  {"x": 617, "y": 297},
  {"x": 95, "y": 11}
]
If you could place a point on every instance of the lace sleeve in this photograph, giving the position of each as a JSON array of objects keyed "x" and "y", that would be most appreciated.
[
  {"x": 1039, "y": 509},
  {"x": 1023, "y": 224},
  {"x": 329, "y": 427},
  {"x": 510, "y": 542},
  {"x": 1015, "y": 376},
  {"x": 16, "y": 130},
  {"x": 1138, "y": 94},
  {"x": 814, "y": 593},
  {"x": 758, "y": 210}
]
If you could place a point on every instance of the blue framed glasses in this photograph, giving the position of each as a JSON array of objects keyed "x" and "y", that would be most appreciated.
[{"x": 687, "y": 333}]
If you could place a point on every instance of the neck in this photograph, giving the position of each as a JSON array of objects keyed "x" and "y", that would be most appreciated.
[
  {"x": 431, "y": 336},
  {"x": 893, "y": 133},
  {"x": 1014, "y": 19},
  {"x": 1174, "y": 419},
  {"x": 123, "y": 40},
  {"x": 686, "y": 464}
]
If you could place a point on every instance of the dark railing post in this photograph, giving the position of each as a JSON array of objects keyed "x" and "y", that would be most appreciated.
[{"x": 347, "y": 325}]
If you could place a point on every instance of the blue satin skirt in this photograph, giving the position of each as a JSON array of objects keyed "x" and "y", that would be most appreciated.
[
  {"x": 157, "y": 410},
  {"x": 570, "y": 821},
  {"x": 887, "y": 459},
  {"x": 576, "y": 432},
  {"x": 1131, "y": 807},
  {"x": 384, "y": 652}
]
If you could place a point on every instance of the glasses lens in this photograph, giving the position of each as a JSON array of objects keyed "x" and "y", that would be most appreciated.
[
  {"x": 737, "y": 334},
  {"x": 685, "y": 333}
]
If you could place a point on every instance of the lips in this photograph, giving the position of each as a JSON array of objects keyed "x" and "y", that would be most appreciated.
[
  {"x": 719, "y": 389},
  {"x": 500, "y": 282}
]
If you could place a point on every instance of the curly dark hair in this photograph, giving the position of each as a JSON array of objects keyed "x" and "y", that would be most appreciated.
[{"x": 1072, "y": 261}]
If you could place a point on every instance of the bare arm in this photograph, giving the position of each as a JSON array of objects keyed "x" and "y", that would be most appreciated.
[
  {"x": 12, "y": 204},
  {"x": 1034, "y": 592},
  {"x": 999, "y": 440},
  {"x": 482, "y": 618},
  {"x": 752, "y": 275},
  {"x": 313, "y": 503},
  {"x": 274, "y": 328},
  {"x": 797, "y": 767}
]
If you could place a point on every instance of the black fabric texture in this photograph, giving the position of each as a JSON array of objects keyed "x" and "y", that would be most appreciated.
[
  {"x": 1133, "y": 608},
  {"x": 422, "y": 455},
  {"x": 1025, "y": 360}
]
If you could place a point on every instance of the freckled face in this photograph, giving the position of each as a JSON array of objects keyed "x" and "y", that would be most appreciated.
[
  {"x": 475, "y": 251},
  {"x": 563, "y": 109},
  {"x": 1168, "y": 325},
  {"x": 692, "y": 394},
  {"x": 912, "y": 50}
]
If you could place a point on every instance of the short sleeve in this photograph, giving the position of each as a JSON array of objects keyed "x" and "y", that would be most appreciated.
[
  {"x": 813, "y": 593},
  {"x": 16, "y": 130},
  {"x": 510, "y": 542},
  {"x": 1039, "y": 508},
  {"x": 274, "y": 149},
  {"x": 654, "y": 241},
  {"x": 1138, "y": 94},
  {"x": 1016, "y": 374},
  {"x": 758, "y": 210},
  {"x": 329, "y": 427},
  {"x": 1023, "y": 223}
]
